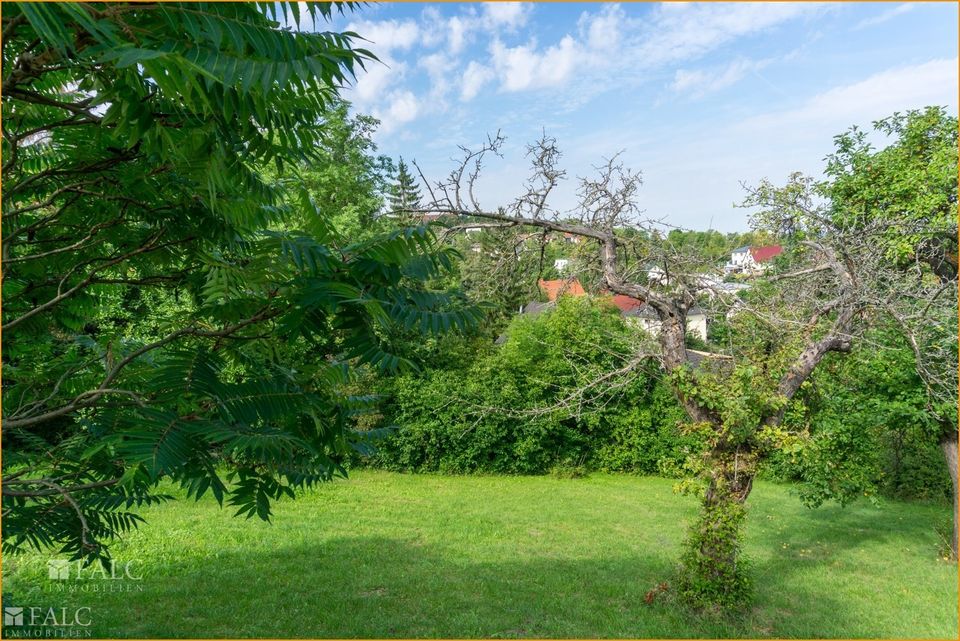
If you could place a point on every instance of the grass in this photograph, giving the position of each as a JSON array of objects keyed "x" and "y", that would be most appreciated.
[{"x": 388, "y": 555}]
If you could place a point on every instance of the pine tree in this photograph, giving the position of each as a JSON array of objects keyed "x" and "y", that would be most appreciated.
[{"x": 405, "y": 193}]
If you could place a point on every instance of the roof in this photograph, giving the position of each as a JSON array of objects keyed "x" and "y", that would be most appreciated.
[
  {"x": 626, "y": 303},
  {"x": 553, "y": 288},
  {"x": 712, "y": 360},
  {"x": 741, "y": 250},
  {"x": 761, "y": 254},
  {"x": 535, "y": 307}
]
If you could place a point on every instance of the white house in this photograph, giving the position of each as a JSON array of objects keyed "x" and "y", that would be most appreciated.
[
  {"x": 656, "y": 275},
  {"x": 646, "y": 318},
  {"x": 751, "y": 260},
  {"x": 635, "y": 311}
]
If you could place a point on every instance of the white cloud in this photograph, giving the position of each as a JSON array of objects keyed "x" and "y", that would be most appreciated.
[
  {"x": 527, "y": 66},
  {"x": 436, "y": 64},
  {"x": 896, "y": 89},
  {"x": 433, "y": 26},
  {"x": 475, "y": 76},
  {"x": 510, "y": 15},
  {"x": 700, "y": 82},
  {"x": 373, "y": 83},
  {"x": 523, "y": 67},
  {"x": 387, "y": 35},
  {"x": 439, "y": 67},
  {"x": 402, "y": 107},
  {"x": 884, "y": 16},
  {"x": 601, "y": 31},
  {"x": 456, "y": 33},
  {"x": 670, "y": 35},
  {"x": 676, "y": 34}
]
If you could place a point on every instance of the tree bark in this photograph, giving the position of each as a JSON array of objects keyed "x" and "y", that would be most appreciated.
[
  {"x": 722, "y": 514},
  {"x": 948, "y": 444},
  {"x": 713, "y": 575}
]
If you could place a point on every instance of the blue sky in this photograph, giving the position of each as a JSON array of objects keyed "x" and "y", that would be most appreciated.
[{"x": 698, "y": 96}]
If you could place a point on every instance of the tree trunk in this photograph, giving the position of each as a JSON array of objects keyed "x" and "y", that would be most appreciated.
[
  {"x": 713, "y": 574},
  {"x": 948, "y": 444},
  {"x": 723, "y": 512}
]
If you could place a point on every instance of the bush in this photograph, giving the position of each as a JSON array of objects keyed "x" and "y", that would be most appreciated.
[
  {"x": 478, "y": 408},
  {"x": 870, "y": 431},
  {"x": 505, "y": 413}
]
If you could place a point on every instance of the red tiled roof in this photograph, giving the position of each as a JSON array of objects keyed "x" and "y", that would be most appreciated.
[
  {"x": 626, "y": 303},
  {"x": 762, "y": 254},
  {"x": 553, "y": 288}
]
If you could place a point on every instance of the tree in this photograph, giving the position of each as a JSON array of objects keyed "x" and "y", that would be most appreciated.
[
  {"x": 160, "y": 286},
  {"x": 345, "y": 179},
  {"x": 816, "y": 304},
  {"x": 501, "y": 270},
  {"x": 907, "y": 193},
  {"x": 405, "y": 193},
  {"x": 870, "y": 428}
]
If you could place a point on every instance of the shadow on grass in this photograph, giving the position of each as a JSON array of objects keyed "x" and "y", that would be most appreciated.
[
  {"x": 380, "y": 588},
  {"x": 300, "y": 582},
  {"x": 835, "y": 543}
]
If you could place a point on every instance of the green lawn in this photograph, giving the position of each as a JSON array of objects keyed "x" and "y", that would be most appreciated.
[{"x": 388, "y": 555}]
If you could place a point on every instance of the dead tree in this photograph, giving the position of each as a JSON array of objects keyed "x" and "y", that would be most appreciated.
[{"x": 819, "y": 301}]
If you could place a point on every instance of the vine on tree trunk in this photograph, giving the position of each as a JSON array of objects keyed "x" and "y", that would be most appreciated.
[{"x": 713, "y": 572}]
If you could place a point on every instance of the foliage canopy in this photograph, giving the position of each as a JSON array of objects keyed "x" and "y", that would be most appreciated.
[{"x": 172, "y": 308}]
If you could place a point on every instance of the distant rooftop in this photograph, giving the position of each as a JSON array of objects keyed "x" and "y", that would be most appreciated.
[
  {"x": 554, "y": 288},
  {"x": 762, "y": 254}
]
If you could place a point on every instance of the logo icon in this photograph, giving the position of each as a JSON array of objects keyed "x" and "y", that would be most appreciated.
[
  {"x": 13, "y": 616},
  {"x": 58, "y": 569}
]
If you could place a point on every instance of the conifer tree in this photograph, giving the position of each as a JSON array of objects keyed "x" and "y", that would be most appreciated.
[{"x": 405, "y": 193}]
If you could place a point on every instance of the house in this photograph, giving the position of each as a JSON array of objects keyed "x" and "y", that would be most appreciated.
[
  {"x": 561, "y": 264},
  {"x": 634, "y": 310},
  {"x": 751, "y": 260},
  {"x": 712, "y": 285},
  {"x": 656, "y": 275},
  {"x": 432, "y": 218},
  {"x": 739, "y": 258},
  {"x": 553, "y": 288},
  {"x": 646, "y": 317}
]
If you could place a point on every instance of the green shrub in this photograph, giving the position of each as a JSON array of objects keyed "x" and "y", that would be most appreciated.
[
  {"x": 510, "y": 411},
  {"x": 870, "y": 431},
  {"x": 478, "y": 408}
]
